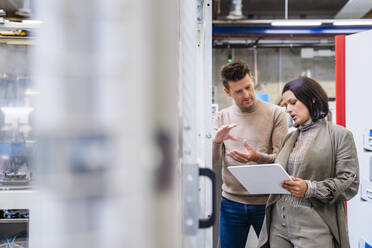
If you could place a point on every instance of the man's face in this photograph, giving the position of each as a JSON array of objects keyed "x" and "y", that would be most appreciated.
[{"x": 242, "y": 92}]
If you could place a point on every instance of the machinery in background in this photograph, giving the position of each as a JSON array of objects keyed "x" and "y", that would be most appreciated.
[
  {"x": 366, "y": 183},
  {"x": 367, "y": 140},
  {"x": 17, "y": 141},
  {"x": 15, "y": 231},
  {"x": 14, "y": 214},
  {"x": 357, "y": 50},
  {"x": 14, "y": 164},
  {"x": 364, "y": 244},
  {"x": 16, "y": 136}
]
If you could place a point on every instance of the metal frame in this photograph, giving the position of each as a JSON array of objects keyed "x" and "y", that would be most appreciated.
[{"x": 195, "y": 108}]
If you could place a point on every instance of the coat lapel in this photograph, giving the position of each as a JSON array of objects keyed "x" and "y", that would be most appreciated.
[
  {"x": 318, "y": 155},
  {"x": 282, "y": 159},
  {"x": 286, "y": 150},
  {"x": 312, "y": 151}
]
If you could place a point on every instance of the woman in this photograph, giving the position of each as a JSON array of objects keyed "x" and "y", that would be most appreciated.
[{"x": 322, "y": 160}]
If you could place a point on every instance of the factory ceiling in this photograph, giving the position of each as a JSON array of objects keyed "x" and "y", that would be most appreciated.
[
  {"x": 262, "y": 9},
  {"x": 297, "y": 9}
]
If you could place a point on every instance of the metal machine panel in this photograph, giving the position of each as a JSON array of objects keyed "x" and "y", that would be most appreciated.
[{"x": 359, "y": 122}]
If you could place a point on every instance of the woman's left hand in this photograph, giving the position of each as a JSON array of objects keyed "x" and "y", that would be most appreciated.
[{"x": 297, "y": 187}]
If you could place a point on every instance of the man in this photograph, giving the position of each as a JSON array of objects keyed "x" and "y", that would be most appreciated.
[{"x": 248, "y": 132}]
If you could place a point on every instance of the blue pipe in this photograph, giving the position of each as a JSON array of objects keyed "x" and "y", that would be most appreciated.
[{"x": 269, "y": 30}]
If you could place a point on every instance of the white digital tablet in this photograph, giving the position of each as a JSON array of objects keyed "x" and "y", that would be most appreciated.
[{"x": 261, "y": 178}]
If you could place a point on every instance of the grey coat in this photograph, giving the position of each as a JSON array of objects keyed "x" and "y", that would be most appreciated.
[{"x": 332, "y": 160}]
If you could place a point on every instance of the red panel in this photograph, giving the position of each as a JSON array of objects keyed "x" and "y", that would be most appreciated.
[{"x": 340, "y": 79}]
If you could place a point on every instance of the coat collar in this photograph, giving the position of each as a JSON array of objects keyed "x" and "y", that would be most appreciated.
[
  {"x": 291, "y": 140},
  {"x": 319, "y": 154}
]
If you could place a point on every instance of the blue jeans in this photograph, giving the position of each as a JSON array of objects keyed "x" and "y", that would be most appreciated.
[{"x": 235, "y": 221}]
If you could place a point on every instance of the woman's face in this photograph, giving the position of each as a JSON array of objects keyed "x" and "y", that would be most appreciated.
[{"x": 295, "y": 108}]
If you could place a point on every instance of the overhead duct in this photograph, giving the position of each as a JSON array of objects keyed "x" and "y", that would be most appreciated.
[
  {"x": 11, "y": 5},
  {"x": 354, "y": 9},
  {"x": 236, "y": 12},
  {"x": 310, "y": 53},
  {"x": 243, "y": 43},
  {"x": 25, "y": 11}
]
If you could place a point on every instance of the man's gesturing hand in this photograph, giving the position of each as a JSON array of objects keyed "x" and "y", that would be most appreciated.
[
  {"x": 250, "y": 155},
  {"x": 224, "y": 133}
]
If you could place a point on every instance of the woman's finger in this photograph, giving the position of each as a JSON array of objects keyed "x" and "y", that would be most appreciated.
[{"x": 290, "y": 183}]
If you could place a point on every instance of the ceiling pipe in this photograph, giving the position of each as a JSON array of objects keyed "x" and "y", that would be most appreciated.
[
  {"x": 354, "y": 9},
  {"x": 236, "y": 12},
  {"x": 286, "y": 10},
  {"x": 300, "y": 22},
  {"x": 326, "y": 43},
  {"x": 25, "y": 11}
]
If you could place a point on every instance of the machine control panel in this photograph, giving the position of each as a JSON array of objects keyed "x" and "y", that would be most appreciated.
[
  {"x": 370, "y": 169},
  {"x": 367, "y": 141},
  {"x": 366, "y": 190},
  {"x": 364, "y": 244}
]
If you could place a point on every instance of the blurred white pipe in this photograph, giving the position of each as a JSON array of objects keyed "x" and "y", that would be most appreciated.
[
  {"x": 236, "y": 10},
  {"x": 98, "y": 165},
  {"x": 354, "y": 9}
]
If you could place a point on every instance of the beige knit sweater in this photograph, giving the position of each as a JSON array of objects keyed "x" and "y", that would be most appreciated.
[{"x": 264, "y": 126}]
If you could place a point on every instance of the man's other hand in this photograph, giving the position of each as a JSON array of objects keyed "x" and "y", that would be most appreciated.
[
  {"x": 223, "y": 133},
  {"x": 249, "y": 156}
]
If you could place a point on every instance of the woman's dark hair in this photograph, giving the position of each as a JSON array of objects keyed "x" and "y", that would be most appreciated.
[{"x": 310, "y": 93}]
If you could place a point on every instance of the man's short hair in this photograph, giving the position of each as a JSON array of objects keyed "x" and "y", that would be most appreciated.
[
  {"x": 310, "y": 93},
  {"x": 234, "y": 71}
]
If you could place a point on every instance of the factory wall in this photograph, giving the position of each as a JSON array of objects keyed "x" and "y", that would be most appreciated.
[{"x": 275, "y": 67}]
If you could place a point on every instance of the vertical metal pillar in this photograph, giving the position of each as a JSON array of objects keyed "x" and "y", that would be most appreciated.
[
  {"x": 188, "y": 108},
  {"x": 196, "y": 92},
  {"x": 255, "y": 57},
  {"x": 204, "y": 100},
  {"x": 286, "y": 9}
]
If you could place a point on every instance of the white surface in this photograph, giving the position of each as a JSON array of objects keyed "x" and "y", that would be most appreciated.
[
  {"x": 17, "y": 199},
  {"x": 358, "y": 118},
  {"x": 203, "y": 116},
  {"x": 261, "y": 178}
]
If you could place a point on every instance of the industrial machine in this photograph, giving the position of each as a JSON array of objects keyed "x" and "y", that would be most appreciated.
[
  {"x": 359, "y": 122},
  {"x": 16, "y": 131}
]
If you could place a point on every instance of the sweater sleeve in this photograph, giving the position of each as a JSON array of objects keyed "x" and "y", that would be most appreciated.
[
  {"x": 279, "y": 131},
  {"x": 317, "y": 190},
  {"x": 217, "y": 147}
]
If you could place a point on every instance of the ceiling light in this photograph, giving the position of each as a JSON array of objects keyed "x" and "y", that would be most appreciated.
[
  {"x": 17, "y": 110},
  {"x": 344, "y": 31},
  {"x": 31, "y": 92},
  {"x": 352, "y": 22},
  {"x": 32, "y": 22},
  {"x": 296, "y": 23},
  {"x": 288, "y": 31}
]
